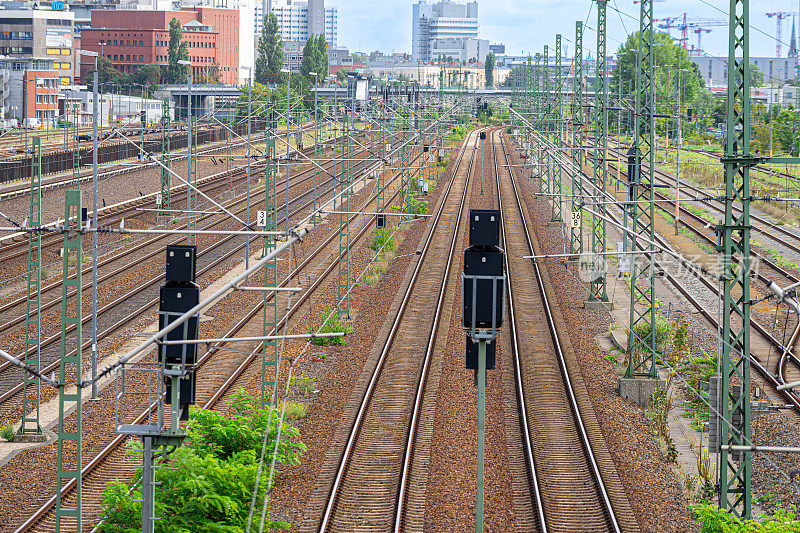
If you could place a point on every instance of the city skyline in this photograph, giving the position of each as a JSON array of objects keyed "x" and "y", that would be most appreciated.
[{"x": 369, "y": 25}]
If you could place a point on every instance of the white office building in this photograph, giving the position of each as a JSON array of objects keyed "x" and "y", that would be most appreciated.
[
  {"x": 299, "y": 19},
  {"x": 447, "y": 21}
]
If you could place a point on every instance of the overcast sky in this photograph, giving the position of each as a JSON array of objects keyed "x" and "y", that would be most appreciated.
[{"x": 527, "y": 25}]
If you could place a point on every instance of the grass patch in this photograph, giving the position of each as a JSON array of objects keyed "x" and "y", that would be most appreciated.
[
  {"x": 334, "y": 324},
  {"x": 303, "y": 385},
  {"x": 294, "y": 411}
]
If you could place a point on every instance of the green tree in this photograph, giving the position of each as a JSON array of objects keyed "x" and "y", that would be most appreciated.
[
  {"x": 177, "y": 50},
  {"x": 315, "y": 59},
  {"x": 107, "y": 74},
  {"x": 756, "y": 76},
  {"x": 488, "y": 69},
  {"x": 269, "y": 59},
  {"x": 671, "y": 60}
]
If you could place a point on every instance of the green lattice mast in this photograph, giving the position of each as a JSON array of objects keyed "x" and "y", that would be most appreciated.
[
  {"x": 31, "y": 388},
  {"x": 735, "y": 468},
  {"x": 269, "y": 356},
  {"x": 576, "y": 233},
  {"x": 598, "y": 282},
  {"x": 641, "y": 339},
  {"x": 557, "y": 116},
  {"x": 166, "y": 177}
]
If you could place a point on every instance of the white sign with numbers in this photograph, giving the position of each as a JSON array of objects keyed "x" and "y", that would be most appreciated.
[
  {"x": 441, "y": 152},
  {"x": 159, "y": 199},
  {"x": 576, "y": 219},
  {"x": 262, "y": 219},
  {"x": 431, "y": 157}
]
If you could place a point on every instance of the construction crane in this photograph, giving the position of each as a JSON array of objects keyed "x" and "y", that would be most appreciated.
[
  {"x": 684, "y": 23},
  {"x": 779, "y": 16}
]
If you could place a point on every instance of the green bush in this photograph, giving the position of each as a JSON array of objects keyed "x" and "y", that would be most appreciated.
[
  {"x": 713, "y": 520},
  {"x": 417, "y": 206},
  {"x": 663, "y": 331},
  {"x": 334, "y": 324},
  {"x": 207, "y": 484},
  {"x": 7, "y": 432},
  {"x": 304, "y": 385},
  {"x": 383, "y": 238}
]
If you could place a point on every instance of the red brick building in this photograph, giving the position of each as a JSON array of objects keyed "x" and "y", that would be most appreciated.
[
  {"x": 41, "y": 95},
  {"x": 131, "y": 39}
]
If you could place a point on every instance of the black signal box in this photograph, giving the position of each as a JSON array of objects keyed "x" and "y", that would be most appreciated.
[
  {"x": 173, "y": 302},
  {"x": 380, "y": 221},
  {"x": 483, "y": 135},
  {"x": 472, "y": 354},
  {"x": 181, "y": 262},
  {"x": 483, "y": 279},
  {"x": 484, "y": 227}
]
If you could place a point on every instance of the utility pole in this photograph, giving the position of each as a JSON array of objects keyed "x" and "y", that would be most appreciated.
[
  {"x": 735, "y": 467},
  {"x": 598, "y": 279},
  {"x": 641, "y": 349}
]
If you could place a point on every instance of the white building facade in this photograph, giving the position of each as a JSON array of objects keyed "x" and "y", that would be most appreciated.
[
  {"x": 446, "y": 20},
  {"x": 296, "y": 20}
]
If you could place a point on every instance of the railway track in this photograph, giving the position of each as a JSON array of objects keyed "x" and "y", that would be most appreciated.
[
  {"x": 140, "y": 298},
  {"x": 367, "y": 483},
  {"x": 14, "y": 245},
  {"x": 770, "y": 376},
  {"x": 564, "y": 446},
  {"x": 110, "y": 462}
]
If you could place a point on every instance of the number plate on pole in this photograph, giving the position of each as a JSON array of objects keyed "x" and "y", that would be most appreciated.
[
  {"x": 262, "y": 219},
  {"x": 576, "y": 219},
  {"x": 159, "y": 199}
]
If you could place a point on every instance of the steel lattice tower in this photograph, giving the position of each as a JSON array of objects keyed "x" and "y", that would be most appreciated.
[
  {"x": 642, "y": 333},
  {"x": 735, "y": 468},
  {"x": 576, "y": 233},
  {"x": 598, "y": 281}
]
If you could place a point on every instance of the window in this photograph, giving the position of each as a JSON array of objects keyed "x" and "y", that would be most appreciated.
[
  {"x": 127, "y": 57},
  {"x": 115, "y": 41},
  {"x": 128, "y": 43},
  {"x": 53, "y": 51},
  {"x": 66, "y": 65},
  {"x": 56, "y": 65},
  {"x": 141, "y": 58},
  {"x": 115, "y": 57},
  {"x": 66, "y": 51},
  {"x": 65, "y": 80}
]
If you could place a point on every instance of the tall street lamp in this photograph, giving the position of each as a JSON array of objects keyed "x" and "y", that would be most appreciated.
[
  {"x": 188, "y": 149},
  {"x": 95, "y": 104}
]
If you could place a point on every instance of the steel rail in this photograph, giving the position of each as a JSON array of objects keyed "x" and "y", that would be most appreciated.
[
  {"x": 588, "y": 450},
  {"x": 344, "y": 460}
]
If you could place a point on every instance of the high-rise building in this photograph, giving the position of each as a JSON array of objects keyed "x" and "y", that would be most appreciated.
[
  {"x": 30, "y": 30},
  {"x": 299, "y": 19},
  {"x": 444, "y": 20}
]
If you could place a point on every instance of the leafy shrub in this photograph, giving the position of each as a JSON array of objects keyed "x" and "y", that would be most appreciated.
[
  {"x": 334, "y": 324},
  {"x": 714, "y": 520},
  {"x": 7, "y": 432},
  {"x": 417, "y": 206},
  {"x": 383, "y": 238},
  {"x": 207, "y": 484}
]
